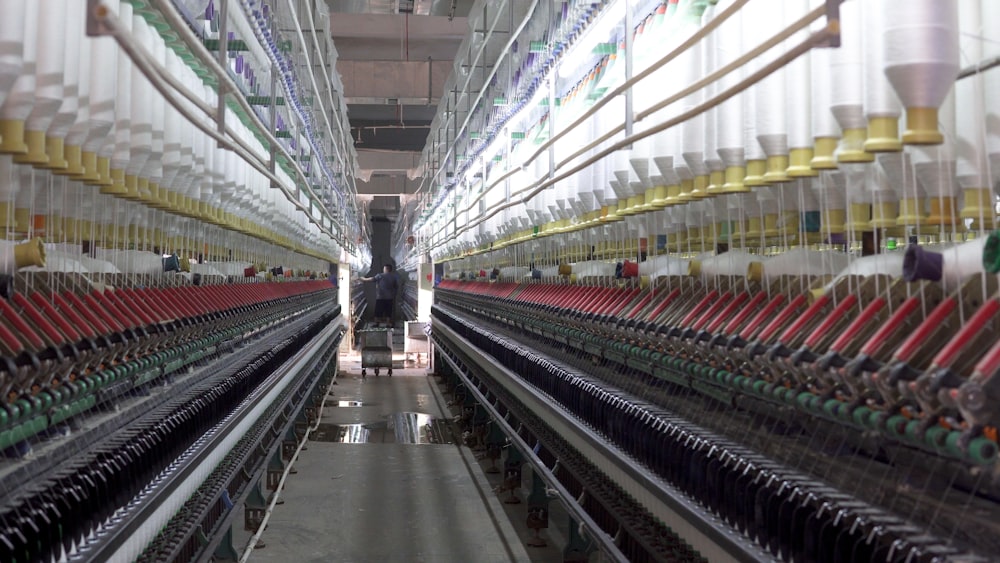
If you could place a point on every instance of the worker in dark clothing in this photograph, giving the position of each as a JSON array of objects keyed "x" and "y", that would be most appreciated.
[{"x": 386, "y": 287}]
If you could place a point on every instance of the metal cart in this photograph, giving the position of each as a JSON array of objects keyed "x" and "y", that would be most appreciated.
[{"x": 376, "y": 350}]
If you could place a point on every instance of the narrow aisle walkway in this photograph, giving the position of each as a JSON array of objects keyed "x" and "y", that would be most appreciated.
[{"x": 381, "y": 480}]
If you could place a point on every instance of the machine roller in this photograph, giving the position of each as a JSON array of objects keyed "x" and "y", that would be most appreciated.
[
  {"x": 794, "y": 356},
  {"x": 837, "y": 364},
  {"x": 74, "y": 359},
  {"x": 167, "y": 324},
  {"x": 723, "y": 272}
]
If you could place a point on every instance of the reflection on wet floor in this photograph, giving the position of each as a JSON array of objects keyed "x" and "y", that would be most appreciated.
[
  {"x": 399, "y": 428},
  {"x": 330, "y": 403}
]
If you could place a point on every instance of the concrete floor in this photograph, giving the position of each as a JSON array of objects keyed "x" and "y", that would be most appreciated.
[{"x": 382, "y": 480}]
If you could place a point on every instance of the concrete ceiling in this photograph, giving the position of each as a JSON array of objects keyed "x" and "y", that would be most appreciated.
[
  {"x": 394, "y": 57},
  {"x": 448, "y": 8}
]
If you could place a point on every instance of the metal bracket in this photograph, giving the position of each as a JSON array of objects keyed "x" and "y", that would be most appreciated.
[
  {"x": 273, "y": 116},
  {"x": 96, "y": 13},
  {"x": 629, "y": 117},
  {"x": 223, "y": 53},
  {"x": 430, "y": 80},
  {"x": 225, "y": 550},
  {"x": 833, "y": 22},
  {"x": 552, "y": 124}
]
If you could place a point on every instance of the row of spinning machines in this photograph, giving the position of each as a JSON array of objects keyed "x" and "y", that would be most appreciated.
[
  {"x": 852, "y": 424},
  {"x": 105, "y": 389},
  {"x": 160, "y": 343}
]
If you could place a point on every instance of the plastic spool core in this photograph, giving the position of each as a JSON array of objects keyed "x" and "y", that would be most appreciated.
[
  {"x": 55, "y": 148},
  {"x": 734, "y": 180},
  {"x": 12, "y": 137},
  {"x": 777, "y": 169},
  {"x": 991, "y": 253},
  {"x": 921, "y": 127},
  {"x": 943, "y": 212},
  {"x": 31, "y": 253},
  {"x": 35, "y": 141},
  {"x": 911, "y": 212},
  {"x": 799, "y": 163},
  {"x": 920, "y": 264},
  {"x": 823, "y": 154},
  {"x": 755, "y": 173},
  {"x": 883, "y": 135}
]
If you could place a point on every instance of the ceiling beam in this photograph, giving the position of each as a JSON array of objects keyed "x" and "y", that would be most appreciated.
[
  {"x": 388, "y": 185},
  {"x": 395, "y": 161},
  {"x": 394, "y": 138},
  {"x": 394, "y": 79},
  {"x": 390, "y": 26}
]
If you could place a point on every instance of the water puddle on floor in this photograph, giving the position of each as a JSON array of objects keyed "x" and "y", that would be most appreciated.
[
  {"x": 332, "y": 403},
  {"x": 398, "y": 428}
]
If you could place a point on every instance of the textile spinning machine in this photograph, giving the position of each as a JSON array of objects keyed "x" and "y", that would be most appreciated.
[
  {"x": 738, "y": 298},
  {"x": 167, "y": 324}
]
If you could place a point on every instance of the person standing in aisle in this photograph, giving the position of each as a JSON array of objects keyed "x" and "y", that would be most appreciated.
[{"x": 386, "y": 287}]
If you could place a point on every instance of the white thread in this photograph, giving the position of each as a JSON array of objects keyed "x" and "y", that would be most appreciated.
[
  {"x": 730, "y": 114},
  {"x": 991, "y": 86},
  {"x": 709, "y": 54},
  {"x": 770, "y": 106},
  {"x": 832, "y": 190},
  {"x": 921, "y": 50},
  {"x": 823, "y": 122},
  {"x": 971, "y": 166},
  {"x": 880, "y": 101},
  {"x": 20, "y": 95},
  {"x": 846, "y": 70},
  {"x": 798, "y": 84}
]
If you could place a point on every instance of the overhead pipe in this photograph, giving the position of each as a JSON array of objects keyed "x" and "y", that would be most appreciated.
[
  {"x": 817, "y": 38},
  {"x": 618, "y": 91},
  {"x": 154, "y": 74},
  {"x": 507, "y": 48},
  {"x": 176, "y": 22}
]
